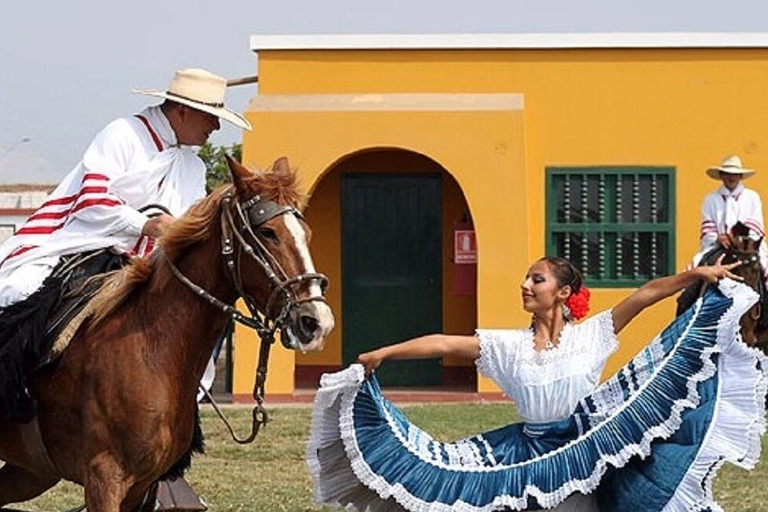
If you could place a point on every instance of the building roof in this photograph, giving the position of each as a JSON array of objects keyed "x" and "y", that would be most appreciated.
[
  {"x": 25, "y": 187},
  {"x": 510, "y": 41}
]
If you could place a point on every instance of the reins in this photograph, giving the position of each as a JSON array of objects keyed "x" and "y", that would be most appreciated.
[{"x": 236, "y": 228}]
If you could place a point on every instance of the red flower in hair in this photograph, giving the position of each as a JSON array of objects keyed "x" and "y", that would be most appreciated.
[{"x": 578, "y": 303}]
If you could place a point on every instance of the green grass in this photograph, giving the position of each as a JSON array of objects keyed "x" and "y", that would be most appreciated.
[{"x": 270, "y": 474}]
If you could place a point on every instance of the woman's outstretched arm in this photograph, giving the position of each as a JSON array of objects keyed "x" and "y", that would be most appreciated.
[
  {"x": 423, "y": 347},
  {"x": 654, "y": 291}
]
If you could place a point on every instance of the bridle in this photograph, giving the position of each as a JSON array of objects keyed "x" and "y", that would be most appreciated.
[
  {"x": 749, "y": 257},
  {"x": 743, "y": 255},
  {"x": 249, "y": 215},
  {"x": 238, "y": 221}
]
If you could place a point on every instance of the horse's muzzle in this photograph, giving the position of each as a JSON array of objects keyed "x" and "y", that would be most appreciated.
[{"x": 307, "y": 326}]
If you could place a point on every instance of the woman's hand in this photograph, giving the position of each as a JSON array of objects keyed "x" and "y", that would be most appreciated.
[
  {"x": 370, "y": 360},
  {"x": 716, "y": 272}
]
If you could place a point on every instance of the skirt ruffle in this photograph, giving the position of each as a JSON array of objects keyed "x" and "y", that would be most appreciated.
[{"x": 650, "y": 438}]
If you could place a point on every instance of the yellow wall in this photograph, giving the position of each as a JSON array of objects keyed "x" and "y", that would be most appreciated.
[{"x": 685, "y": 108}]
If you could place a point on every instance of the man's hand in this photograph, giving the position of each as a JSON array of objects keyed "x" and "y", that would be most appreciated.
[
  {"x": 156, "y": 226},
  {"x": 724, "y": 240}
]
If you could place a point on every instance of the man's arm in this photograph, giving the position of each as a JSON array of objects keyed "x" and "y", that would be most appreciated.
[
  {"x": 108, "y": 157},
  {"x": 708, "y": 235},
  {"x": 753, "y": 213}
]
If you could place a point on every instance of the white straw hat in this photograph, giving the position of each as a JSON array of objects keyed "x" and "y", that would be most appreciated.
[
  {"x": 730, "y": 165},
  {"x": 201, "y": 90}
]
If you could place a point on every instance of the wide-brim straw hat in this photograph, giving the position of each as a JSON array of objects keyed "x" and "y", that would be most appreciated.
[
  {"x": 730, "y": 165},
  {"x": 201, "y": 90}
]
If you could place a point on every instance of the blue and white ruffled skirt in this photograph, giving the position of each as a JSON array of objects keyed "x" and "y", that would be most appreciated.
[{"x": 650, "y": 438}]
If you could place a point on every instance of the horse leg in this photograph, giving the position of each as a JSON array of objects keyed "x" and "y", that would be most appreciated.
[
  {"x": 109, "y": 489},
  {"x": 18, "y": 484},
  {"x": 106, "y": 485}
]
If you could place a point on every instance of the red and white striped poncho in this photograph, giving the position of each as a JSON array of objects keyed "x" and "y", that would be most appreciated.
[
  {"x": 133, "y": 162},
  {"x": 722, "y": 209}
]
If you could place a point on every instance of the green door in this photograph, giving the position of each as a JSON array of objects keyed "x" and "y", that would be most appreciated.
[{"x": 391, "y": 269}]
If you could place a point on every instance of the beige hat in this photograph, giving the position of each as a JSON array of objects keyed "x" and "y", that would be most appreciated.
[
  {"x": 201, "y": 90},
  {"x": 730, "y": 165}
]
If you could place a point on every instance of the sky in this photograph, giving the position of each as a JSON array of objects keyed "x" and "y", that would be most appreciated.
[{"x": 68, "y": 68}]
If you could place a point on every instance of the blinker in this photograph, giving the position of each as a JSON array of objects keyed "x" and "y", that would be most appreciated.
[{"x": 261, "y": 211}]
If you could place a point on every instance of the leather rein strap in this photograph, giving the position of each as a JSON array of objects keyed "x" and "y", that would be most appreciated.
[{"x": 238, "y": 227}]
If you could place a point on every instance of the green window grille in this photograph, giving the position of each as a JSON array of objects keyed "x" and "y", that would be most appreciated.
[{"x": 615, "y": 224}]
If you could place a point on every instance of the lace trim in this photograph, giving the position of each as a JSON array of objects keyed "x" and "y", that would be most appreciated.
[
  {"x": 609, "y": 342},
  {"x": 483, "y": 362}
]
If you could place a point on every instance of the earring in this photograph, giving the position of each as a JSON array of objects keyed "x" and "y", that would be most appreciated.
[{"x": 567, "y": 313}]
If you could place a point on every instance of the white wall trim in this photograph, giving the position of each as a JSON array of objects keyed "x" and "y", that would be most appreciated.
[
  {"x": 510, "y": 41},
  {"x": 384, "y": 102}
]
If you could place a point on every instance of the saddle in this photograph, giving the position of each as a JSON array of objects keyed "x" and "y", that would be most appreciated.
[{"x": 82, "y": 276}]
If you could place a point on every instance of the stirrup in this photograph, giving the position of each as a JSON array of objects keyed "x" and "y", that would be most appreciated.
[{"x": 176, "y": 495}]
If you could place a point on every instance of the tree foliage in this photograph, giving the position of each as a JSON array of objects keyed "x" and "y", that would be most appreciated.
[{"x": 217, "y": 171}]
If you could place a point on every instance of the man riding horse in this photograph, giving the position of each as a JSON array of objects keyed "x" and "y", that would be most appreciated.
[
  {"x": 730, "y": 204},
  {"x": 732, "y": 227},
  {"x": 145, "y": 159}
]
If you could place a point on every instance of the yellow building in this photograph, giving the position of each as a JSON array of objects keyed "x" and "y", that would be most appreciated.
[{"x": 590, "y": 146}]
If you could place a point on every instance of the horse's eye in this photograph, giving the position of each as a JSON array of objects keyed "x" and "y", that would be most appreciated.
[{"x": 268, "y": 233}]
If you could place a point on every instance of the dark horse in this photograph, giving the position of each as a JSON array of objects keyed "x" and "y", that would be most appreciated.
[
  {"x": 118, "y": 409},
  {"x": 754, "y": 323}
]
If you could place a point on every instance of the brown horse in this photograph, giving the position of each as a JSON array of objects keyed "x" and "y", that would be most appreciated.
[
  {"x": 118, "y": 408},
  {"x": 754, "y": 323}
]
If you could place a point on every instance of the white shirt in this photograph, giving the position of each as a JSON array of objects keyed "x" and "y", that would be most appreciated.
[
  {"x": 724, "y": 208},
  {"x": 547, "y": 385}
]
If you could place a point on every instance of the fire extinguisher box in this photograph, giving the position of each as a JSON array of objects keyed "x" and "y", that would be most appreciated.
[{"x": 464, "y": 259}]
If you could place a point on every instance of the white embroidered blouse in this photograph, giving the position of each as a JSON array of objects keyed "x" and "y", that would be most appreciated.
[{"x": 547, "y": 385}]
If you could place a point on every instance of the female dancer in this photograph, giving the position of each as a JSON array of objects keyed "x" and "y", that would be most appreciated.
[{"x": 575, "y": 447}]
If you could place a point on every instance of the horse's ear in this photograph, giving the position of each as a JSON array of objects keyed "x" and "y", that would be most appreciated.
[
  {"x": 740, "y": 229},
  {"x": 281, "y": 165},
  {"x": 237, "y": 170}
]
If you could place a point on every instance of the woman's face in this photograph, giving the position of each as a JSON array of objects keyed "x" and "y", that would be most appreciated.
[{"x": 540, "y": 290}]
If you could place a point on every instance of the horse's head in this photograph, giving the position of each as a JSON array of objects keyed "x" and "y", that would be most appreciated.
[{"x": 269, "y": 244}]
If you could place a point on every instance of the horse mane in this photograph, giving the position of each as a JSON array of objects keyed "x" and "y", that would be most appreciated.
[{"x": 280, "y": 186}]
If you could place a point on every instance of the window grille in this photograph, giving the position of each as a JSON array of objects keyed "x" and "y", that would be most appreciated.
[{"x": 616, "y": 224}]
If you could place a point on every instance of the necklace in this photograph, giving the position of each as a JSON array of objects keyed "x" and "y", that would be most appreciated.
[{"x": 547, "y": 342}]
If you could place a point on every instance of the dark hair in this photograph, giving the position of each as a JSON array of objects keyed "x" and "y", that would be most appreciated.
[
  {"x": 169, "y": 104},
  {"x": 564, "y": 271}
]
